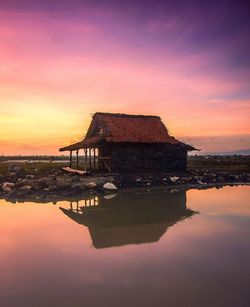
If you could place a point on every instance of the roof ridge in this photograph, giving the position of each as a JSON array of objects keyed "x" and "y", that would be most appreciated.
[{"x": 126, "y": 115}]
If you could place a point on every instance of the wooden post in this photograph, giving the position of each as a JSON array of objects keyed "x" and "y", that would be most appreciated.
[
  {"x": 94, "y": 160},
  {"x": 88, "y": 158},
  {"x": 70, "y": 159},
  {"x": 90, "y": 166},
  {"x": 77, "y": 159},
  {"x": 85, "y": 158}
]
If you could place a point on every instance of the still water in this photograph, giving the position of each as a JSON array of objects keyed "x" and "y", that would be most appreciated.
[{"x": 136, "y": 248}]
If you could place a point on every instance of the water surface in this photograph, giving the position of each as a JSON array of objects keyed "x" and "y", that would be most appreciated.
[{"x": 138, "y": 248}]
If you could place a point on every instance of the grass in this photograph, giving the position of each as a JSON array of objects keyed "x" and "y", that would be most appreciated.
[
  {"x": 236, "y": 164},
  {"x": 40, "y": 168}
]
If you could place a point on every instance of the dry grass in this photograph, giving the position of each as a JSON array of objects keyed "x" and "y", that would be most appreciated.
[
  {"x": 235, "y": 164},
  {"x": 33, "y": 168}
]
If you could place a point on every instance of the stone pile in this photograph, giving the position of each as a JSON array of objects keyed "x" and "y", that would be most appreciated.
[{"x": 17, "y": 184}]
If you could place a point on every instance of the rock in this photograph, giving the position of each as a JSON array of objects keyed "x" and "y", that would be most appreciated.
[
  {"x": 91, "y": 185},
  {"x": 6, "y": 189},
  {"x": 26, "y": 188},
  {"x": 29, "y": 176},
  {"x": 109, "y": 196},
  {"x": 174, "y": 179},
  {"x": 173, "y": 191},
  {"x": 12, "y": 174},
  {"x": 77, "y": 187},
  {"x": 10, "y": 185},
  {"x": 63, "y": 183},
  {"x": 52, "y": 187},
  {"x": 15, "y": 168},
  {"x": 201, "y": 182},
  {"x": 109, "y": 186}
]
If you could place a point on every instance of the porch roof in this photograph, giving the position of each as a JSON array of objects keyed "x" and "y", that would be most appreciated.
[{"x": 90, "y": 142}]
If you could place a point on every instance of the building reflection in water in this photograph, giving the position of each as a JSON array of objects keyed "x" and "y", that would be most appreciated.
[{"x": 129, "y": 217}]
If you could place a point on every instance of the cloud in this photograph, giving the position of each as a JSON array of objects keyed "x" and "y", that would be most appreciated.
[{"x": 185, "y": 62}]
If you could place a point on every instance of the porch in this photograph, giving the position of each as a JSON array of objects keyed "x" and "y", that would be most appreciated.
[{"x": 88, "y": 159}]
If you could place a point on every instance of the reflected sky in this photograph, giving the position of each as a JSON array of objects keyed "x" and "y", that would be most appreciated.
[{"x": 48, "y": 259}]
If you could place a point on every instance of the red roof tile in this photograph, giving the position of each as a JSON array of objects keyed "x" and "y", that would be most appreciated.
[
  {"x": 133, "y": 128},
  {"x": 125, "y": 128}
]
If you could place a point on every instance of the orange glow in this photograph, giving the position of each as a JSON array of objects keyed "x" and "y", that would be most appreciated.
[{"x": 55, "y": 73}]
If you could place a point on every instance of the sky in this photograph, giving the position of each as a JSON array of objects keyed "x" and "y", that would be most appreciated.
[{"x": 62, "y": 61}]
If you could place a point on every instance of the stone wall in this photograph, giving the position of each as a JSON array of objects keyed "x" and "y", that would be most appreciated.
[{"x": 144, "y": 157}]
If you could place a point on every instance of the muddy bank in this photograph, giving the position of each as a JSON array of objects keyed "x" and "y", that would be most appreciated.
[{"x": 19, "y": 185}]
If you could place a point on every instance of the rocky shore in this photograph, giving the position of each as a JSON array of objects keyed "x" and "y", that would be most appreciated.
[{"x": 18, "y": 185}]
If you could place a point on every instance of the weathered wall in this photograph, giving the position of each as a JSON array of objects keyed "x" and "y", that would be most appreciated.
[{"x": 144, "y": 157}]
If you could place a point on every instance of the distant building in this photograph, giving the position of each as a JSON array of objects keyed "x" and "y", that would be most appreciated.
[{"x": 129, "y": 143}]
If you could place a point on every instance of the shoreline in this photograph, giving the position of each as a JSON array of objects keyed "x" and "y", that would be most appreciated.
[
  {"x": 47, "y": 198},
  {"x": 46, "y": 182},
  {"x": 57, "y": 185}
]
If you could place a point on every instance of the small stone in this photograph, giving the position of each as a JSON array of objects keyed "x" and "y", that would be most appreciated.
[
  {"x": 6, "y": 189},
  {"x": 77, "y": 187},
  {"x": 174, "y": 179},
  {"x": 12, "y": 174},
  {"x": 201, "y": 182},
  {"x": 8, "y": 185},
  {"x": 52, "y": 187},
  {"x": 29, "y": 176},
  {"x": 18, "y": 169},
  {"x": 25, "y": 188},
  {"x": 109, "y": 186},
  {"x": 91, "y": 185},
  {"x": 173, "y": 191},
  {"x": 110, "y": 196}
]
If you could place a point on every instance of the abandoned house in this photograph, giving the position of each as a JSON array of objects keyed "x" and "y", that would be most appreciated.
[{"x": 128, "y": 143}]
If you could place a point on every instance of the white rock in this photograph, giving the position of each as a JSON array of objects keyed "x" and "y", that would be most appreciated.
[
  {"x": 29, "y": 176},
  {"x": 109, "y": 186},
  {"x": 201, "y": 182},
  {"x": 110, "y": 196},
  {"x": 173, "y": 191},
  {"x": 25, "y": 188},
  {"x": 6, "y": 189},
  {"x": 91, "y": 185},
  {"x": 174, "y": 179},
  {"x": 8, "y": 185}
]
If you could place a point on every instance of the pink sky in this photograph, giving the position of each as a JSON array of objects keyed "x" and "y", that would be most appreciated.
[{"x": 58, "y": 68}]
